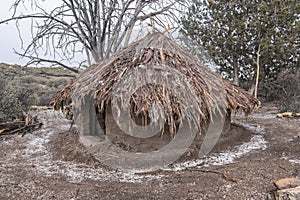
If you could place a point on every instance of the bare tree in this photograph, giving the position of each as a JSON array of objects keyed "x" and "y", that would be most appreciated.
[{"x": 97, "y": 28}]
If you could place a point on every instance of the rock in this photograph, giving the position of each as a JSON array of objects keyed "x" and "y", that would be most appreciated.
[
  {"x": 288, "y": 194},
  {"x": 287, "y": 183}
]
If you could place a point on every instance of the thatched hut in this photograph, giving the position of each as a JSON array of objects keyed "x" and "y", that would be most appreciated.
[{"x": 193, "y": 95}]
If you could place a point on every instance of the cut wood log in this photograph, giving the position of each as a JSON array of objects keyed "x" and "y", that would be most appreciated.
[
  {"x": 288, "y": 114},
  {"x": 2, "y": 130},
  {"x": 20, "y": 127},
  {"x": 11, "y": 125},
  {"x": 296, "y": 115}
]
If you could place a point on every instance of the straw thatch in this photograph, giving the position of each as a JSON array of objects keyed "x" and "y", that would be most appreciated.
[{"x": 200, "y": 90}]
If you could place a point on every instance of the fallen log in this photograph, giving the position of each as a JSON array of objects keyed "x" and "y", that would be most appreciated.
[
  {"x": 288, "y": 114},
  {"x": 24, "y": 130},
  {"x": 11, "y": 125},
  {"x": 20, "y": 127}
]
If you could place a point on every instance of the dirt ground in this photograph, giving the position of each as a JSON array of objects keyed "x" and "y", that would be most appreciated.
[{"x": 51, "y": 164}]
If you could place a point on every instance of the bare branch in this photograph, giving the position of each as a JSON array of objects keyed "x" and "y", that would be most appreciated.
[
  {"x": 152, "y": 14},
  {"x": 55, "y": 75},
  {"x": 38, "y": 60},
  {"x": 96, "y": 28}
]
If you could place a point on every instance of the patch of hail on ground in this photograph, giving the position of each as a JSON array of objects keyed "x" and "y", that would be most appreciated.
[
  {"x": 7, "y": 142},
  {"x": 267, "y": 115},
  {"x": 5, "y": 177},
  {"x": 257, "y": 129},
  {"x": 296, "y": 161},
  {"x": 256, "y": 143},
  {"x": 36, "y": 154}
]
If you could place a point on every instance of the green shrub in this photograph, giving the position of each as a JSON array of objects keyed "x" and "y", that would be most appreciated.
[{"x": 10, "y": 105}]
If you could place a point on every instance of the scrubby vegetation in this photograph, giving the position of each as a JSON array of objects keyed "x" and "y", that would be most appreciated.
[
  {"x": 23, "y": 87},
  {"x": 286, "y": 90}
]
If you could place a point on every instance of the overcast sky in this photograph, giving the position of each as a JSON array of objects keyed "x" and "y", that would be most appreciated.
[{"x": 9, "y": 38}]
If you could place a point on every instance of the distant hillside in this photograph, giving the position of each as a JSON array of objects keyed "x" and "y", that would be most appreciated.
[{"x": 21, "y": 87}]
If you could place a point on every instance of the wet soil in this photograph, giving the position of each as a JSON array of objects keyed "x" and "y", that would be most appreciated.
[{"x": 51, "y": 164}]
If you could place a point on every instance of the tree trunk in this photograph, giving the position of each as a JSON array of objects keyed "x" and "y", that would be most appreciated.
[
  {"x": 257, "y": 72},
  {"x": 236, "y": 73},
  {"x": 252, "y": 89}
]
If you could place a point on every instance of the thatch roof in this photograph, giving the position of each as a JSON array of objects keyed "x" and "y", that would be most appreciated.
[{"x": 201, "y": 89}]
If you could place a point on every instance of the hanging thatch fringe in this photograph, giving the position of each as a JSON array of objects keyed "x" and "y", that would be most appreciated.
[{"x": 201, "y": 89}]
